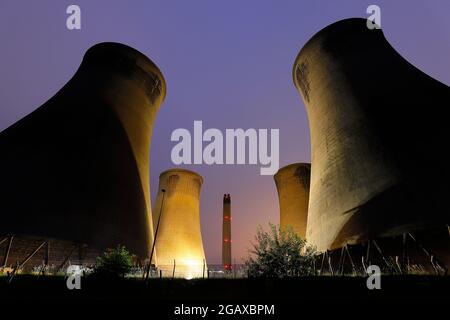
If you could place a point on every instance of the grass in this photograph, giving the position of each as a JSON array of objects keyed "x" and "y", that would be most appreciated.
[{"x": 415, "y": 287}]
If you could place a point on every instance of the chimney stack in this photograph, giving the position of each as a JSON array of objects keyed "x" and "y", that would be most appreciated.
[{"x": 226, "y": 233}]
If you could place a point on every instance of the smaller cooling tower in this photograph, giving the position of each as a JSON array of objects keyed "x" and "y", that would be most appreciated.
[
  {"x": 179, "y": 246},
  {"x": 292, "y": 184}
]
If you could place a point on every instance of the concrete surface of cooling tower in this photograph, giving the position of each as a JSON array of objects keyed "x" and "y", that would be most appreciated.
[
  {"x": 226, "y": 233},
  {"x": 378, "y": 138},
  {"x": 179, "y": 239},
  {"x": 292, "y": 184},
  {"x": 77, "y": 167}
]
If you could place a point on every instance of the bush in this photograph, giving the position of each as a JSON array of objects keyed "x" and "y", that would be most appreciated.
[
  {"x": 279, "y": 253},
  {"x": 114, "y": 263}
]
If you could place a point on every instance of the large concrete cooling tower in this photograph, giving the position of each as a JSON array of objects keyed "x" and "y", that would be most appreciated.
[
  {"x": 77, "y": 168},
  {"x": 292, "y": 184},
  {"x": 179, "y": 246},
  {"x": 378, "y": 137}
]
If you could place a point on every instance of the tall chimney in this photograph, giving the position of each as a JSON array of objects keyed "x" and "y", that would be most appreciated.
[{"x": 226, "y": 233}]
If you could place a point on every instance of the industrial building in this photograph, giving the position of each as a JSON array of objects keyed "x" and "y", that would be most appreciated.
[
  {"x": 179, "y": 245},
  {"x": 226, "y": 233},
  {"x": 380, "y": 168},
  {"x": 292, "y": 183},
  {"x": 74, "y": 173}
]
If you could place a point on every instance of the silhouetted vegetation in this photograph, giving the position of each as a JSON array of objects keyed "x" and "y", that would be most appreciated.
[
  {"x": 114, "y": 263},
  {"x": 279, "y": 253}
]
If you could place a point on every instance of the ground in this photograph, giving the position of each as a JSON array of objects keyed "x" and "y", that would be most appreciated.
[{"x": 287, "y": 295}]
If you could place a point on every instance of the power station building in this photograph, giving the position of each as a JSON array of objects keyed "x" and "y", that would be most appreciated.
[
  {"x": 179, "y": 245},
  {"x": 75, "y": 171},
  {"x": 292, "y": 184},
  {"x": 226, "y": 233},
  {"x": 379, "y": 133}
]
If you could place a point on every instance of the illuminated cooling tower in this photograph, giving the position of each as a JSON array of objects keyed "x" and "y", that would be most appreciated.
[
  {"x": 226, "y": 233},
  {"x": 77, "y": 168},
  {"x": 292, "y": 184},
  {"x": 179, "y": 246},
  {"x": 378, "y": 137}
]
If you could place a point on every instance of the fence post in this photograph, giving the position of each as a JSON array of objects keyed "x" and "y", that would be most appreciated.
[
  {"x": 204, "y": 263},
  {"x": 173, "y": 272}
]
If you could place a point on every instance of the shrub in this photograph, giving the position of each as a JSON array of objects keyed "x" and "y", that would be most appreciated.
[
  {"x": 279, "y": 253},
  {"x": 114, "y": 263}
]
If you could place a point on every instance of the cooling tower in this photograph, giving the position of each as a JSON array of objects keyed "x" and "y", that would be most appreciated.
[
  {"x": 378, "y": 137},
  {"x": 226, "y": 233},
  {"x": 77, "y": 168},
  {"x": 179, "y": 246},
  {"x": 292, "y": 184}
]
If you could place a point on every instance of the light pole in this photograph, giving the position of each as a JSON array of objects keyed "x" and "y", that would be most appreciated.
[{"x": 156, "y": 234}]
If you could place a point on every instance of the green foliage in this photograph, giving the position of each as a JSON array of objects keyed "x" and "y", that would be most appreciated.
[
  {"x": 114, "y": 263},
  {"x": 280, "y": 253}
]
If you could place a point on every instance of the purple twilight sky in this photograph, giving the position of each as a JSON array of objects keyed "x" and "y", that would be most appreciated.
[{"x": 227, "y": 63}]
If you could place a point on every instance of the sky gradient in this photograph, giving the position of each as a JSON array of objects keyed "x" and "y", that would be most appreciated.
[{"x": 227, "y": 63}]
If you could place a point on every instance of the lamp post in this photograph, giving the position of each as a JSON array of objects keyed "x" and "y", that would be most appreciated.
[{"x": 156, "y": 234}]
